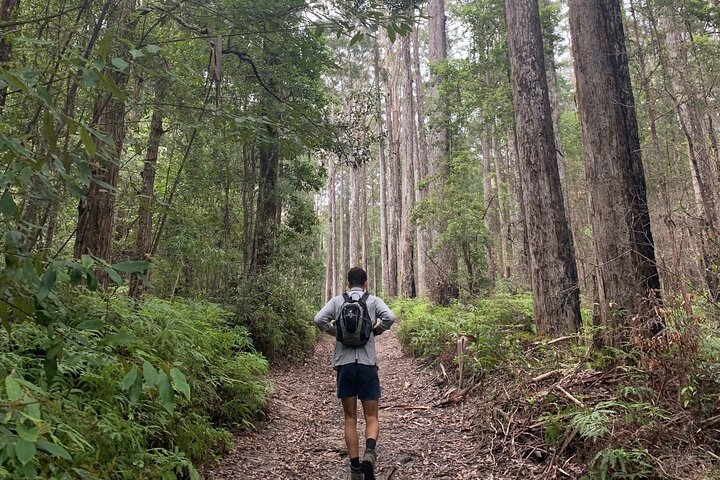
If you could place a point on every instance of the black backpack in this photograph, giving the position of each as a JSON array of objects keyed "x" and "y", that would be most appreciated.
[{"x": 354, "y": 326}]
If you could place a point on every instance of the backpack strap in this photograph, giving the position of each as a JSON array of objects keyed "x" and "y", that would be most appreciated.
[
  {"x": 363, "y": 299},
  {"x": 346, "y": 297}
]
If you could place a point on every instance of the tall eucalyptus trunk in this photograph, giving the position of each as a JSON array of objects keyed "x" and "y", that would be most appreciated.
[
  {"x": 382, "y": 178},
  {"x": 445, "y": 286},
  {"x": 406, "y": 271},
  {"x": 552, "y": 262},
  {"x": 330, "y": 253},
  {"x": 426, "y": 271},
  {"x": 626, "y": 277}
]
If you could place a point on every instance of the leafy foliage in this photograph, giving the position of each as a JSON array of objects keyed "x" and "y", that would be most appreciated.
[
  {"x": 495, "y": 326},
  {"x": 140, "y": 393}
]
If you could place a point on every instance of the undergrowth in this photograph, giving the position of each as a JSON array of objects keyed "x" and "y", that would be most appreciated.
[
  {"x": 565, "y": 409},
  {"x": 138, "y": 392}
]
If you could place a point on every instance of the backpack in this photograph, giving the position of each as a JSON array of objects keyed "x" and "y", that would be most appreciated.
[{"x": 354, "y": 326}]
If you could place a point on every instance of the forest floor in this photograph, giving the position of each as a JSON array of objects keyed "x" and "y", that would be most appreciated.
[{"x": 422, "y": 436}]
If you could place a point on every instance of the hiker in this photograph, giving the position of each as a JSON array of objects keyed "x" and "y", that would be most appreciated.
[{"x": 355, "y": 318}]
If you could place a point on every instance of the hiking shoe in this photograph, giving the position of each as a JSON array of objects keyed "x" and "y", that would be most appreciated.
[
  {"x": 368, "y": 464},
  {"x": 356, "y": 476}
]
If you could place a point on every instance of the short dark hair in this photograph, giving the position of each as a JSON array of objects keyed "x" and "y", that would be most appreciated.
[{"x": 357, "y": 277}]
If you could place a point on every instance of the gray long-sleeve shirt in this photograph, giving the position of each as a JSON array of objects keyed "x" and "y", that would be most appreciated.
[{"x": 365, "y": 354}]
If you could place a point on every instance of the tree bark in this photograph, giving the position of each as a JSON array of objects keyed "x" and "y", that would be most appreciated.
[
  {"x": 552, "y": 262},
  {"x": 626, "y": 275}
]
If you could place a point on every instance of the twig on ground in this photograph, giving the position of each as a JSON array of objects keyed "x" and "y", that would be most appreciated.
[
  {"x": 404, "y": 406},
  {"x": 570, "y": 396},
  {"x": 546, "y": 375}
]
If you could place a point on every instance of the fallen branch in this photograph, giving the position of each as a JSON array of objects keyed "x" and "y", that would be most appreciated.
[
  {"x": 570, "y": 396},
  {"x": 404, "y": 406},
  {"x": 546, "y": 375}
]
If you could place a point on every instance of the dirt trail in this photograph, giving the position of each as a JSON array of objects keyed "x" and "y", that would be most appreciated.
[{"x": 302, "y": 436}]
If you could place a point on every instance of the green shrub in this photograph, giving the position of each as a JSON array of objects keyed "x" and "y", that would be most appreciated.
[
  {"x": 495, "y": 327},
  {"x": 139, "y": 392},
  {"x": 278, "y": 314}
]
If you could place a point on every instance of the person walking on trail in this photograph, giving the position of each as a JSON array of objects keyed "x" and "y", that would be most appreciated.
[{"x": 355, "y": 318}]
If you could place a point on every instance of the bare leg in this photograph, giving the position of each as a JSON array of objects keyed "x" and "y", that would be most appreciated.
[
  {"x": 351, "y": 435},
  {"x": 372, "y": 422}
]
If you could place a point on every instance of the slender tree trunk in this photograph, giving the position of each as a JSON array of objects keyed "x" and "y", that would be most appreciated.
[
  {"x": 96, "y": 212},
  {"x": 444, "y": 287},
  {"x": 626, "y": 275},
  {"x": 7, "y": 8},
  {"x": 382, "y": 180},
  {"x": 503, "y": 212},
  {"x": 393, "y": 174},
  {"x": 354, "y": 230},
  {"x": 405, "y": 263},
  {"x": 523, "y": 252},
  {"x": 342, "y": 249},
  {"x": 426, "y": 272},
  {"x": 691, "y": 121},
  {"x": 143, "y": 242},
  {"x": 267, "y": 213},
  {"x": 552, "y": 261},
  {"x": 364, "y": 231},
  {"x": 330, "y": 264},
  {"x": 488, "y": 200}
]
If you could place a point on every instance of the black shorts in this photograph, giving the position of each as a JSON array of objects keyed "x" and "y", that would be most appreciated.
[{"x": 358, "y": 380}]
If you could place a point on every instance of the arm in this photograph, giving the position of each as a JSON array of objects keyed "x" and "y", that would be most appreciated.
[
  {"x": 324, "y": 317},
  {"x": 384, "y": 315}
]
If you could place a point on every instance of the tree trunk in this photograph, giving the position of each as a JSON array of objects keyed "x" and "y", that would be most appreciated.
[
  {"x": 364, "y": 230},
  {"x": 426, "y": 272},
  {"x": 6, "y": 14},
  {"x": 268, "y": 209},
  {"x": 330, "y": 264},
  {"x": 382, "y": 180},
  {"x": 626, "y": 275},
  {"x": 405, "y": 262},
  {"x": 444, "y": 287},
  {"x": 146, "y": 199},
  {"x": 393, "y": 173},
  {"x": 523, "y": 252},
  {"x": 691, "y": 122},
  {"x": 552, "y": 262},
  {"x": 503, "y": 211},
  {"x": 488, "y": 200},
  {"x": 96, "y": 212},
  {"x": 354, "y": 230}
]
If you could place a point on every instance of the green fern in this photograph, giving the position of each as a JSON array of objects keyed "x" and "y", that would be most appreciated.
[{"x": 622, "y": 464}]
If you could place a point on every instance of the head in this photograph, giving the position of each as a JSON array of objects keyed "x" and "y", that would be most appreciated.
[{"x": 357, "y": 277}]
